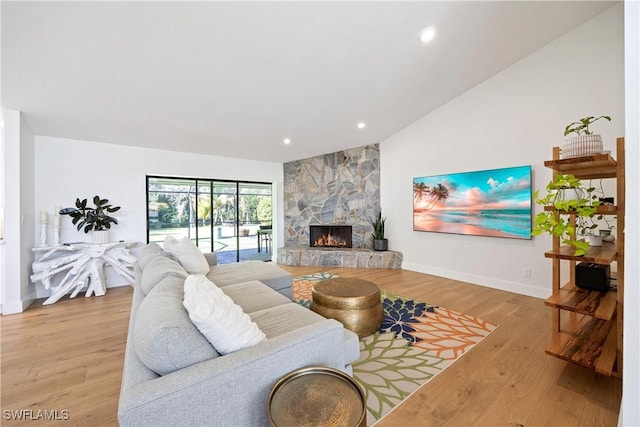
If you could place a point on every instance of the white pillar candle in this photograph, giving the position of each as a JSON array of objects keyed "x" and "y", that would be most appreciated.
[
  {"x": 56, "y": 220},
  {"x": 44, "y": 216}
]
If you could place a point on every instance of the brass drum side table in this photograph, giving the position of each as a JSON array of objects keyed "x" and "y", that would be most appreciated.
[{"x": 353, "y": 302}]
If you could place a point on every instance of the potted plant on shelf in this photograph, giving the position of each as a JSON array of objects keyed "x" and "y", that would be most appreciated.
[
  {"x": 585, "y": 143},
  {"x": 566, "y": 194},
  {"x": 598, "y": 228},
  {"x": 94, "y": 219},
  {"x": 379, "y": 242}
]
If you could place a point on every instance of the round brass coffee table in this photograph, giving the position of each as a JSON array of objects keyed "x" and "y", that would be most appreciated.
[
  {"x": 317, "y": 396},
  {"x": 354, "y": 302}
]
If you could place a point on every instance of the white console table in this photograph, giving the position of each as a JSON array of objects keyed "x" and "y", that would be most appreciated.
[{"x": 83, "y": 267}]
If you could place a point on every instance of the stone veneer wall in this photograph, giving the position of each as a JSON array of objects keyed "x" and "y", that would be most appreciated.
[{"x": 338, "y": 188}]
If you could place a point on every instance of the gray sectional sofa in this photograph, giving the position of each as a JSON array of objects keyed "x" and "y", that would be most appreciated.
[{"x": 172, "y": 376}]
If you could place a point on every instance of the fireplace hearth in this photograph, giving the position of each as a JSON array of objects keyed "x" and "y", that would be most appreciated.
[{"x": 330, "y": 236}]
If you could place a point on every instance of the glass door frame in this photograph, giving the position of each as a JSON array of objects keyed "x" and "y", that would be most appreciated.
[{"x": 197, "y": 182}]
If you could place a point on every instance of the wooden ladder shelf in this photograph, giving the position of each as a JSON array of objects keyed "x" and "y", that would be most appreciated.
[{"x": 587, "y": 324}]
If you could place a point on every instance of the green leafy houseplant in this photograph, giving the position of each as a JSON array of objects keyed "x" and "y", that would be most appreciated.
[
  {"x": 379, "y": 241},
  {"x": 378, "y": 227},
  {"x": 605, "y": 223},
  {"x": 584, "y": 204},
  {"x": 581, "y": 127},
  {"x": 89, "y": 218},
  {"x": 583, "y": 142}
]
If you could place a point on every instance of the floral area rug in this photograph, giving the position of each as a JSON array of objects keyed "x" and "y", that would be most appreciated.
[{"x": 416, "y": 341}]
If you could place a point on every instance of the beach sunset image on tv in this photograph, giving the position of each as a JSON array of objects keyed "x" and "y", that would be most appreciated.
[{"x": 494, "y": 203}]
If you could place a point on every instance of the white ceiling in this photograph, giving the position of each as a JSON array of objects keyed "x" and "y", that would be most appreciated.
[{"x": 236, "y": 78}]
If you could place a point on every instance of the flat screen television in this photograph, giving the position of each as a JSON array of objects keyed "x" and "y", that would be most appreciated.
[{"x": 495, "y": 203}]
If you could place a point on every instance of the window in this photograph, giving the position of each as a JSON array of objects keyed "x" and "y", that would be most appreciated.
[{"x": 231, "y": 218}]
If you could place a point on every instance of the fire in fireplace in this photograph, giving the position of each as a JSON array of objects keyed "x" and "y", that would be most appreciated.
[{"x": 330, "y": 236}]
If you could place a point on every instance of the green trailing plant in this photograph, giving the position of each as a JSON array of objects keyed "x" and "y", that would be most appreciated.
[
  {"x": 378, "y": 227},
  {"x": 584, "y": 207},
  {"x": 581, "y": 127},
  {"x": 92, "y": 218},
  {"x": 604, "y": 222}
]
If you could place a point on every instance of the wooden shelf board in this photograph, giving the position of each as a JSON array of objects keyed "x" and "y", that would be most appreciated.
[
  {"x": 588, "y": 167},
  {"x": 602, "y": 210},
  {"x": 604, "y": 254},
  {"x": 591, "y": 174},
  {"x": 587, "y": 342},
  {"x": 601, "y": 305}
]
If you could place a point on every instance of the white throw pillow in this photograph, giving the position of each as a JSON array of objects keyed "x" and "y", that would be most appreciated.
[
  {"x": 169, "y": 241},
  {"x": 187, "y": 254},
  {"x": 217, "y": 317}
]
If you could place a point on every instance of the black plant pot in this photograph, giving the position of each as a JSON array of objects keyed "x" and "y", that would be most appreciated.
[{"x": 380, "y": 244}]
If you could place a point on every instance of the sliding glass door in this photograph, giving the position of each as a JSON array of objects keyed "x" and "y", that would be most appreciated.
[
  {"x": 232, "y": 218},
  {"x": 254, "y": 220},
  {"x": 225, "y": 224},
  {"x": 170, "y": 210}
]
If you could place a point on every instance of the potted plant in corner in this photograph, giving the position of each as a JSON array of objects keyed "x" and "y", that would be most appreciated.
[
  {"x": 94, "y": 219},
  {"x": 585, "y": 143},
  {"x": 379, "y": 242},
  {"x": 566, "y": 194}
]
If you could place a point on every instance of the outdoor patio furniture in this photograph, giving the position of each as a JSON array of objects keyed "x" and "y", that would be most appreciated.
[{"x": 264, "y": 235}]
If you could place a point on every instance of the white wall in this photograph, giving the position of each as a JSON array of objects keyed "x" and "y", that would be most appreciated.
[
  {"x": 66, "y": 169},
  {"x": 630, "y": 411},
  {"x": 18, "y": 292},
  {"x": 3, "y": 253},
  {"x": 512, "y": 119},
  {"x": 27, "y": 233}
]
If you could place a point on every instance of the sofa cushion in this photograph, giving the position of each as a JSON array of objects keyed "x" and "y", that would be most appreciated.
[
  {"x": 279, "y": 320},
  {"x": 212, "y": 258},
  {"x": 157, "y": 269},
  {"x": 254, "y": 296},
  {"x": 172, "y": 281},
  {"x": 187, "y": 254},
  {"x": 266, "y": 272},
  {"x": 149, "y": 252},
  {"x": 164, "y": 337},
  {"x": 217, "y": 317}
]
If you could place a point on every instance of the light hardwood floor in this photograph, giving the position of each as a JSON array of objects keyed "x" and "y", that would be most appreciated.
[{"x": 68, "y": 356}]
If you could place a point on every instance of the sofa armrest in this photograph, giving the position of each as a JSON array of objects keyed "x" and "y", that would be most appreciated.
[
  {"x": 212, "y": 258},
  {"x": 232, "y": 389}
]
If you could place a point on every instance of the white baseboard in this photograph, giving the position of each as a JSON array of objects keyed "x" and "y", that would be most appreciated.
[
  {"x": 14, "y": 307},
  {"x": 490, "y": 282}
]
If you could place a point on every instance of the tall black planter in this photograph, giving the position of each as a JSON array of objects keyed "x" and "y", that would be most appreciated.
[{"x": 380, "y": 244}]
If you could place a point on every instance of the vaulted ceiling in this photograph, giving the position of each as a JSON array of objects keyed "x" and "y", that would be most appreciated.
[{"x": 237, "y": 78}]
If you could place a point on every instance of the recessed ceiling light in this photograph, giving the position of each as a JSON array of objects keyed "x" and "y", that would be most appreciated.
[
  {"x": 361, "y": 125},
  {"x": 287, "y": 141},
  {"x": 427, "y": 35}
]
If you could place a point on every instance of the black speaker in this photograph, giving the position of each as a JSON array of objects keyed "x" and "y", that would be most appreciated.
[{"x": 593, "y": 276}]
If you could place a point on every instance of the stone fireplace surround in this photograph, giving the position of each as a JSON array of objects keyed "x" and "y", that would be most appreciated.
[
  {"x": 330, "y": 257},
  {"x": 340, "y": 188}
]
